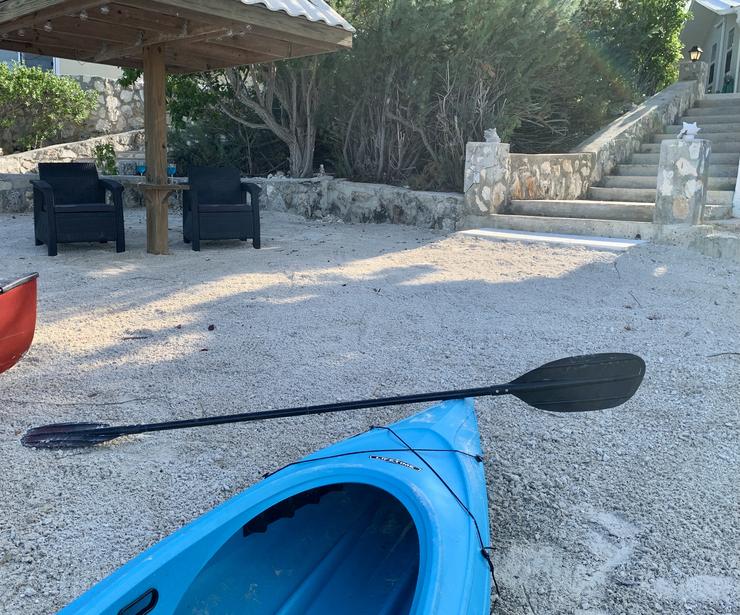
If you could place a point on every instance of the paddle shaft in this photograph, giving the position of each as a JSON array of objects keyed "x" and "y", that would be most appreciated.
[
  {"x": 573, "y": 384},
  {"x": 496, "y": 390}
]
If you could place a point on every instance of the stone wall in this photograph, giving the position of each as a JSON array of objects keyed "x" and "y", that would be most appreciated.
[
  {"x": 550, "y": 176},
  {"x": 620, "y": 139},
  {"x": 312, "y": 198},
  {"x": 26, "y": 162},
  {"x": 359, "y": 202},
  {"x": 493, "y": 176},
  {"x": 119, "y": 109}
]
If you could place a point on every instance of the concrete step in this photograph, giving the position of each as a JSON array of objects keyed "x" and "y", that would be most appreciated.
[
  {"x": 712, "y": 136},
  {"x": 703, "y": 120},
  {"x": 711, "y": 127},
  {"x": 714, "y": 158},
  {"x": 595, "y": 210},
  {"x": 651, "y": 170},
  {"x": 718, "y": 100},
  {"x": 721, "y": 147},
  {"x": 567, "y": 226},
  {"x": 715, "y": 110},
  {"x": 650, "y": 181},
  {"x": 647, "y": 195},
  {"x": 634, "y": 170},
  {"x": 717, "y": 212}
]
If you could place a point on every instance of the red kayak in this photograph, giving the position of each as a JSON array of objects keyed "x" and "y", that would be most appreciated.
[{"x": 17, "y": 318}]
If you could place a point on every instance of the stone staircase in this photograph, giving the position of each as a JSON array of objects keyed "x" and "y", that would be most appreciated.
[{"x": 622, "y": 206}]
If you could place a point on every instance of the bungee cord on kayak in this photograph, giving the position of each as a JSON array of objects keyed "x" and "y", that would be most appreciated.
[{"x": 486, "y": 551}]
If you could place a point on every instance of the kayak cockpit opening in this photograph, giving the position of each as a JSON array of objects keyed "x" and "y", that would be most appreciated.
[{"x": 341, "y": 548}]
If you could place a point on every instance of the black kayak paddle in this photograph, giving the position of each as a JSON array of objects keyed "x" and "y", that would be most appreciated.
[{"x": 574, "y": 384}]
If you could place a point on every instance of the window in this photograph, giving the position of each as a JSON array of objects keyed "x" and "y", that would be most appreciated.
[
  {"x": 43, "y": 62},
  {"x": 728, "y": 55},
  {"x": 29, "y": 59},
  {"x": 712, "y": 63},
  {"x": 8, "y": 57}
]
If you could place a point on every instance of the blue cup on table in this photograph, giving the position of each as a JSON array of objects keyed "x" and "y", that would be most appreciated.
[
  {"x": 171, "y": 170},
  {"x": 140, "y": 169}
]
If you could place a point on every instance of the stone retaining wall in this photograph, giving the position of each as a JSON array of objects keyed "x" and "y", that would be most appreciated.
[
  {"x": 550, "y": 176},
  {"x": 312, "y": 198},
  {"x": 25, "y": 162},
  {"x": 119, "y": 109}
]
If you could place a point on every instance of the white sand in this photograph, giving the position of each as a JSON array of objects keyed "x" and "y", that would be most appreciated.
[{"x": 632, "y": 510}]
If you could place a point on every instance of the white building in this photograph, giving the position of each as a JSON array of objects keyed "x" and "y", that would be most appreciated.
[
  {"x": 715, "y": 28},
  {"x": 60, "y": 66}
]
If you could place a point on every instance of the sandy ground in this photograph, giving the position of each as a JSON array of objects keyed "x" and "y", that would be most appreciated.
[{"x": 633, "y": 510}]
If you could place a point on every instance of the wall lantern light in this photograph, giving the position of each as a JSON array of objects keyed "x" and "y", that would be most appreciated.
[{"x": 695, "y": 53}]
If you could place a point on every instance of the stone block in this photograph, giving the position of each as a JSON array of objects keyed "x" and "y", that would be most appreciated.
[
  {"x": 487, "y": 178},
  {"x": 694, "y": 71},
  {"x": 682, "y": 181}
]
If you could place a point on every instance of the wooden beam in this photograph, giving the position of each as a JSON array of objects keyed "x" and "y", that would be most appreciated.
[
  {"x": 259, "y": 45},
  {"x": 42, "y": 49},
  {"x": 100, "y": 30},
  {"x": 155, "y": 129},
  {"x": 16, "y": 14},
  {"x": 58, "y": 39},
  {"x": 210, "y": 57},
  {"x": 140, "y": 18},
  {"x": 15, "y": 9},
  {"x": 189, "y": 34}
]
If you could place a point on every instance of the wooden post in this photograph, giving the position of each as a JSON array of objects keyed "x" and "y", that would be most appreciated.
[{"x": 155, "y": 128}]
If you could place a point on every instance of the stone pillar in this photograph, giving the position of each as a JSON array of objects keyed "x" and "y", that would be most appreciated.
[
  {"x": 682, "y": 181},
  {"x": 694, "y": 71},
  {"x": 736, "y": 197},
  {"x": 487, "y": 178}
]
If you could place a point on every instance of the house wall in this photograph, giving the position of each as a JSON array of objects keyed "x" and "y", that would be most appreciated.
[
  {"x": 73, "y": 68},
  {"x": 724, "y": 33},
  {"x": 707, "y": 28}
]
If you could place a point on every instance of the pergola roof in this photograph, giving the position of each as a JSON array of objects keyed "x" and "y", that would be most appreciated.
[{"x": 196, "y": 35}]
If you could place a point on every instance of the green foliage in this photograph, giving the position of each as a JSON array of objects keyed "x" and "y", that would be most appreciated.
[
  {"x": 105, "y": 158},
  {"x": 38, "y": 105},
  {"x": 215, "y": 139},
  {"x": 189, "y": 97},
  {"x": 425, "y": 77},
  {"x": 637, "y": 38}
]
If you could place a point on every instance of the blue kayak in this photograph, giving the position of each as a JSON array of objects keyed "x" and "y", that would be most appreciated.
[{"x": 392, "y": 521}]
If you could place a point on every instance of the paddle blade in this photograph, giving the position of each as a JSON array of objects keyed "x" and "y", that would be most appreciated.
[
  {"x": 67, "y": 435},
  {"x": 579, "y": 384}
]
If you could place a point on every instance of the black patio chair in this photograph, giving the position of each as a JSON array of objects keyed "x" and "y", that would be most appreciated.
[
  {"x": 69, "y": 205},
  {"x": 216, "y": 207}
]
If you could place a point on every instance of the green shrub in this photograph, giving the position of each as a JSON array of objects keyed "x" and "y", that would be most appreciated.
[
  {"x": 36, "y": 105},
  {"x": 638, "y": 39},
  {"x": 105, "y": 158},
  {"x": 216, "y": 140}
]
